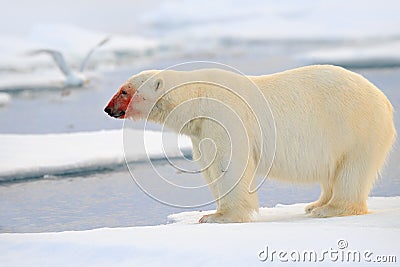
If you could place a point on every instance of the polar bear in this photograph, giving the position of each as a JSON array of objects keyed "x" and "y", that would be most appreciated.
[{"x": 329, "y": 126}]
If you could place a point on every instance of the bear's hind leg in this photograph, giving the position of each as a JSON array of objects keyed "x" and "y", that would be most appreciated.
[
  {"x": 340, "y": 208},
  {"x": 352, "y": 184},
  {"x": 325, "y": 197}
]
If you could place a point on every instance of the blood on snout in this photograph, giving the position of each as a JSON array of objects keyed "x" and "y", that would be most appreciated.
[
  {"x": 121, "y": 100},
  {"x": 123, "y": 103}
]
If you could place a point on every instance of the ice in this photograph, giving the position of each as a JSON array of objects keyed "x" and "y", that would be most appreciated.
[
  {"x": 333, "y": 31},
  {"x": 269, "y": 20},
  {"x": 282, "y": 228},
  {"x": 148, "y": 28},
  {"x": 375, "y": 54},
  {"x": 73, "y": 42},
  {"x": 24, "y": 156}
]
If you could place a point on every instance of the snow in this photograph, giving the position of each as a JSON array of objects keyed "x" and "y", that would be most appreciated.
[
  {"x": 186, "y": 243},
  {"x": 72, "y": 41},
  {"x": 372, "y": 54},
  {"x": 32, "y": 82},
  {"x": 173, "y": 27},
  {"x": 4, "y": 99},
  {"x": 277, "y": 20},
  {"x": 24, "y": 156},
  {"x": 334, "y": 31}
]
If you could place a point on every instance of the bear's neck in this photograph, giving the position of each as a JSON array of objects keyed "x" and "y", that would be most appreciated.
[
  {"x": 201, "y": 99},
  {"x": 181, "y": 115}
]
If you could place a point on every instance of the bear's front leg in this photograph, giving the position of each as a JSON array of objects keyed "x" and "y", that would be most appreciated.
[
  {"x": 223, "y": 218},
  {"x": 234, "y": 198},
  {"x": 241, "y": 210},
  {"x": 215, "y": 218}
]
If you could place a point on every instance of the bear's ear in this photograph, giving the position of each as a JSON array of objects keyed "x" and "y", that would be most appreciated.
[{"x": 158, "y": 84}]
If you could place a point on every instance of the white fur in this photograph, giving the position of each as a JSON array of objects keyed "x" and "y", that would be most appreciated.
[{"x": 333, "y": 127}]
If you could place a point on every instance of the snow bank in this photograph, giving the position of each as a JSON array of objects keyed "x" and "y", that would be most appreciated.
[
  {"x": 358, "y": 55},
  {"x": 169, "y": 27},
  {"x": 277, "y": 20},
  {"x": 282, "y": 228},
  {"x": 73, "y": 42},
  {"x": 18, "y": 82},
  {"x": 287, "y": 24},
  {"x": 23, "y": 156}
]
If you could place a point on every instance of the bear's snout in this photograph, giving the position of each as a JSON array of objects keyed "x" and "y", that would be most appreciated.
[{"x": 114, "y": 113}]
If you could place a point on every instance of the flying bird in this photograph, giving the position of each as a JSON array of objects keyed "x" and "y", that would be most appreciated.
[
  {"x": 4, "y": 99},
  {"x": 72, "y": 78}
]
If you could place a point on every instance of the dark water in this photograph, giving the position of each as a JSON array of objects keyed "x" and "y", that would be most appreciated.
[
  {"x": 109, "y": 199},
  {"x": 112, "y": 199}
]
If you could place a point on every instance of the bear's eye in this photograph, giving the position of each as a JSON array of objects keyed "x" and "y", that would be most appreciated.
[
  {"x": 123, "y": 92},
  {"x": 158, "y": 84}
]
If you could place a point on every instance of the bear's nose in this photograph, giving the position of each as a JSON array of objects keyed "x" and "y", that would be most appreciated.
[{"x": 107, "y": 110}]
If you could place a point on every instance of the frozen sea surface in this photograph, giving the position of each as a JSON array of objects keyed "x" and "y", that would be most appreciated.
[
  {"x": 282, "y": 234},
  {"x": 256, "y": 38},
  {"x": 111, "y": 198}
]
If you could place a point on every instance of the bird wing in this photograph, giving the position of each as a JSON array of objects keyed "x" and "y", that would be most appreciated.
[
  {"x": 58, "y": 58},
  {"x": 89, "y": 54}
]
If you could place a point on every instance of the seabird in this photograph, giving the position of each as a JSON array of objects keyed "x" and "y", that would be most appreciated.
[{"x": 72, "y": 78}]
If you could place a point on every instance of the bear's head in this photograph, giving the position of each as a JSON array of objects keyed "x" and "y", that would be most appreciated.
[{"x": 137, "y": 96}]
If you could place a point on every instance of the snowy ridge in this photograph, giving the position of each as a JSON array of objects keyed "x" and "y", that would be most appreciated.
[
  {"x": 282, "y": 228},
  {"x": 272, "y": 20},
  {"x": 295, "y": 213},
  {"x": 74, "y": 42},
  {"x": 26, "y": 156},
  {"x": 374, "y": 55},
  {"x": 168, "y": 28}
]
